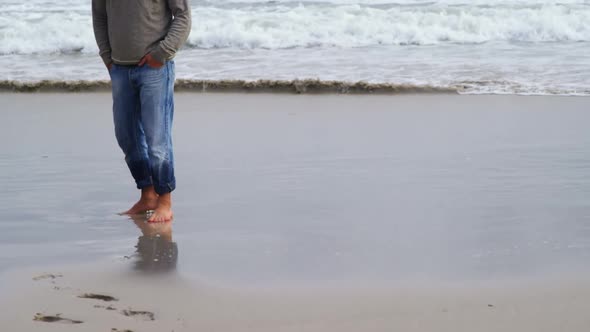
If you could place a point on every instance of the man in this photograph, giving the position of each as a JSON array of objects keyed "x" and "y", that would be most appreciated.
[{"x": 137, "y": 40}]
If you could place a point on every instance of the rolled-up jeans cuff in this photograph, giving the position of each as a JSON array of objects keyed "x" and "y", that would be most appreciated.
[
  {"x": 144, "y": 183},
  {"x": 165, "y": 189}
]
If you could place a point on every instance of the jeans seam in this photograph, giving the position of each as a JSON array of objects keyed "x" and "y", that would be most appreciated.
[
  {"x": 168, "y": 106},
  {"x": 167, "y": 110},
  {"x": 136, "y": 128}
]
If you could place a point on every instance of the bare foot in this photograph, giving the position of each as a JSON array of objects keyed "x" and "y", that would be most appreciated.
[
  {"x": 163, "y": 211},
  {"x": 147, "y": 201}
]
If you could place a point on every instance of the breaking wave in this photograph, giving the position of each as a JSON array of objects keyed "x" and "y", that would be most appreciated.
[{"x": 67, "y": 28}]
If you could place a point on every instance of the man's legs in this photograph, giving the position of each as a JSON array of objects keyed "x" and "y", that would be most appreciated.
[
  {"x": 156, "y": 92},
  {"x": 130, "y": 135}
]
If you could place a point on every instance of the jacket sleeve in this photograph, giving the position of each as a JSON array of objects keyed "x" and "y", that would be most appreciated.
[
  {"x": 178, "y": 33},
  {"x": 101, "y": 30}
]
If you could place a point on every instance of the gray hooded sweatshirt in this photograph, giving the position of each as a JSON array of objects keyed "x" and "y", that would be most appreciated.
[{"x": 127, "y": 30}]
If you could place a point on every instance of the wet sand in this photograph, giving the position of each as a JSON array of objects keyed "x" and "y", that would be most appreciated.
[{"x": 303, "y": 213}]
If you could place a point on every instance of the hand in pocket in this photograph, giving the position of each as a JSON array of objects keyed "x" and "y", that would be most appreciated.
[{"x": 150, "y": 61}]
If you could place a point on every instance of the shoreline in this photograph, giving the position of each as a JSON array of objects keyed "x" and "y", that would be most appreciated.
[
  {"x": 269, "y": 86},
  {"x": 305, "y": 86}
]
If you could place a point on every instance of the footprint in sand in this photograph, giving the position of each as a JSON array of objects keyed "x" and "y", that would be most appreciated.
[
  {"x": 101, "y": 297},
  {"x": 110, "y": 308},
  {"x": 145, "y": 315},
  {"x": 47, "y": 276},
  {"x": 39, "y": 317}
]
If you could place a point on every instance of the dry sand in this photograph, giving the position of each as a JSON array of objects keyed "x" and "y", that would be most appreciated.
[{"x": 181, "y": 305}]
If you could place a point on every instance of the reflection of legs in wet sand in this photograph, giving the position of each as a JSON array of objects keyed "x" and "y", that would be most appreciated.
[{"x": 156, "y": 252}]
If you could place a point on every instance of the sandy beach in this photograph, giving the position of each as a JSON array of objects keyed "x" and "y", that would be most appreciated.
[
  {"x": 430, "y": 212},
  {"x": 171, "y": 303}
]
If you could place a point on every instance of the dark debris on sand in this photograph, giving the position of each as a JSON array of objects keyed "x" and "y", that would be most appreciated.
[
  {"x": 146, "y": 315},
  {"x": 39, "y": 317},
  {"x": 47, "y": 276},
  {"x": 100, "y": 297},
  {"x": 110, "y": 308}
]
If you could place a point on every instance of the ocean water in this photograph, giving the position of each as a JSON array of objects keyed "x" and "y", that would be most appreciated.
[{"x": 496, "y": 46}]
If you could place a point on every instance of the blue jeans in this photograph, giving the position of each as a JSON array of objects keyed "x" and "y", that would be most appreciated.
[{"x": 143, "y": 108}]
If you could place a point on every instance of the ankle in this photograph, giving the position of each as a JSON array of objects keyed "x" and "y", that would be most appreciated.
[
  {"x": 148, "y": 193},
  {"x": 165, "y": 200}
]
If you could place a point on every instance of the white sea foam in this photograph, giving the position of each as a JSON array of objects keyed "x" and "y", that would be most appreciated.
[
  {"x": 357, "y": 26},
  {"x": 474, "y": 46},
  {"x": 55, "y": 28},
  {"x": 488, "y": 3}
]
